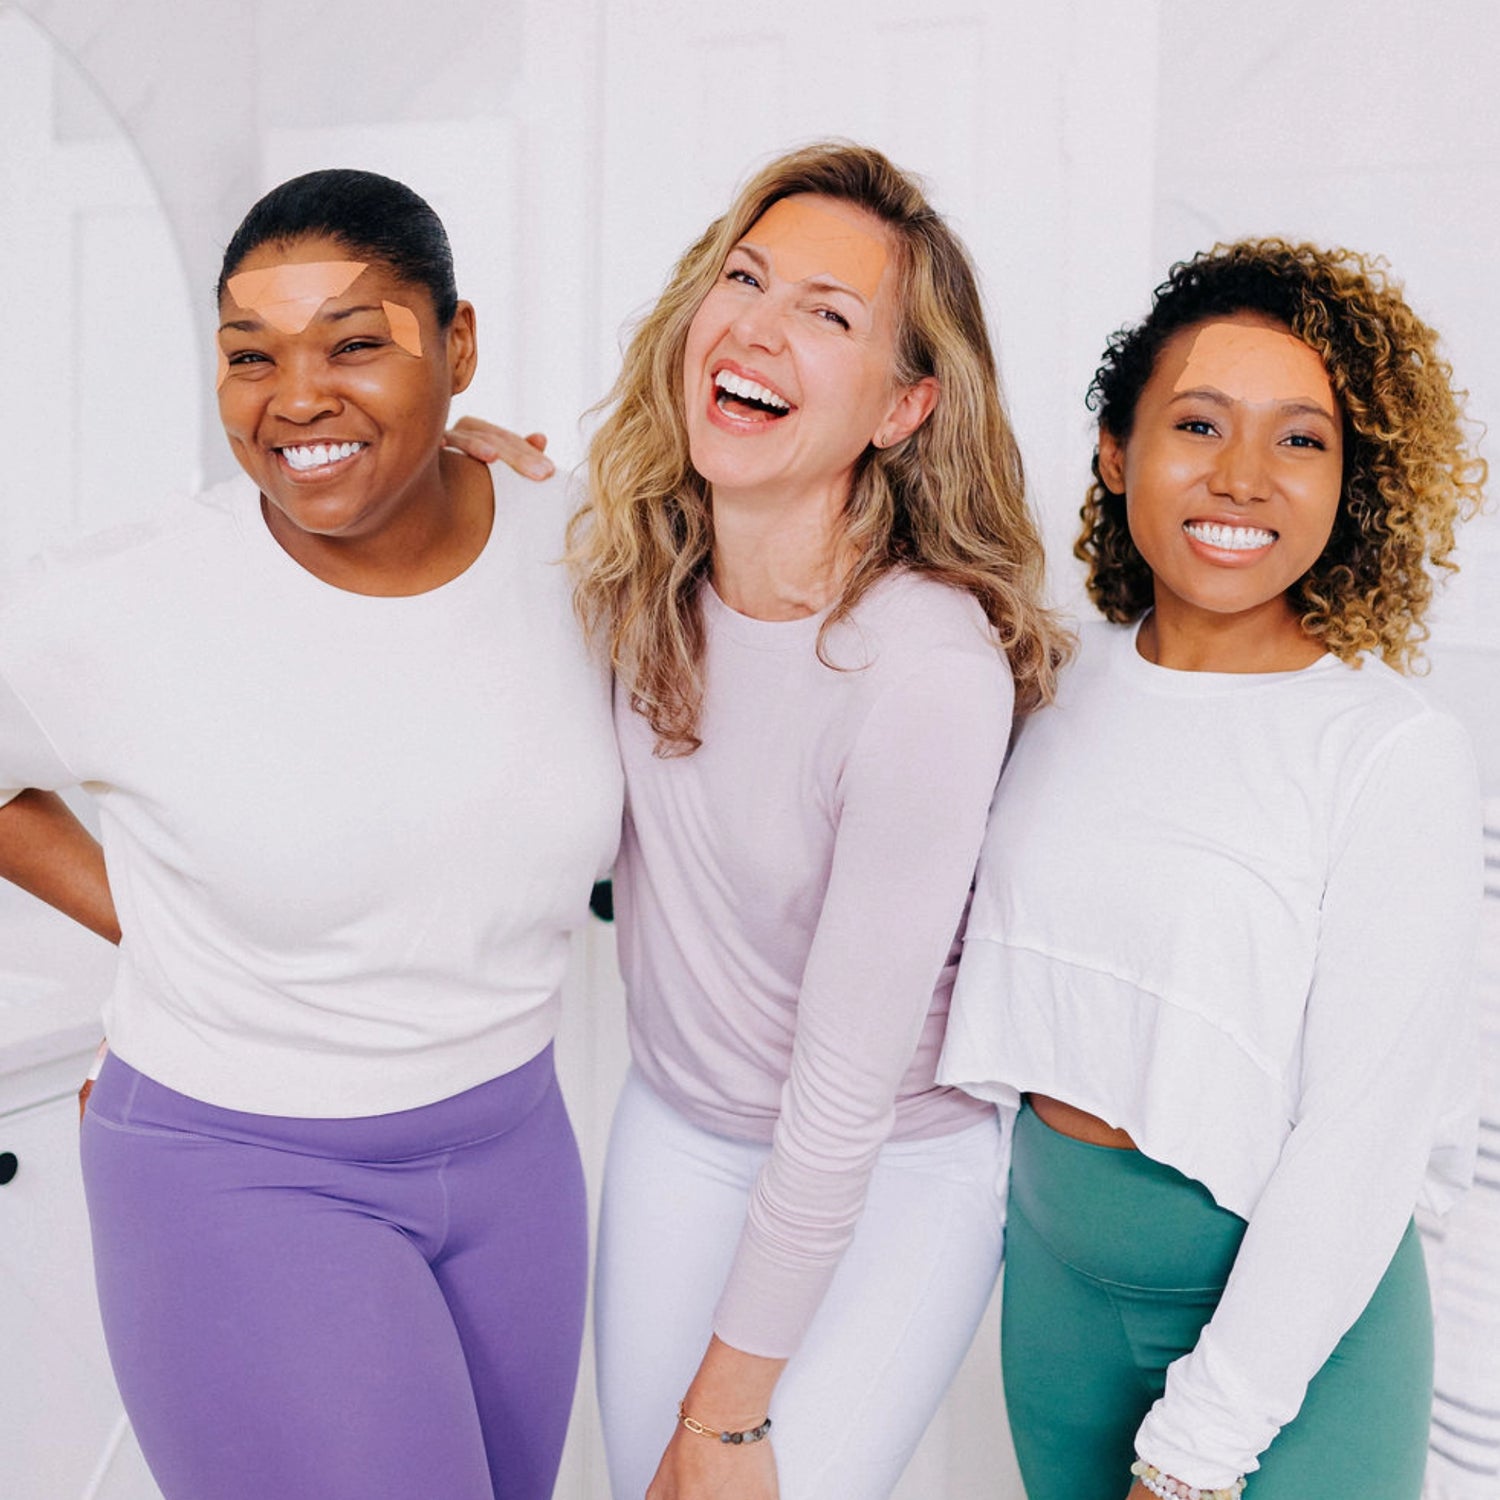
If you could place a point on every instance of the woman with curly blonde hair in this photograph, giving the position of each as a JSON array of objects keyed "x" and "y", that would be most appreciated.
[
  {"x": 1220, "y": 940},
  {"x": 807, "y": 550},
  {"x": 947, "y": 501}
]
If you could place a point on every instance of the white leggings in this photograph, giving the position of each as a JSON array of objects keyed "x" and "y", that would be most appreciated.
[{"x": 885, "y": 1343}]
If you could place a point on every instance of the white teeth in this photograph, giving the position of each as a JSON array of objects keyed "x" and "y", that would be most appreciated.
[
  {"x": 1229, "y": 538},
  {"x": 737, "y": 385},
  {"x": 318, "y": 455}
]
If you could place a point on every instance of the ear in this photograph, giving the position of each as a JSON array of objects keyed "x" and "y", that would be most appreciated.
[
  {"x": 910, "y": 409},
  {"x": 1111, "y": 462},
  {"x": 463, "y": 347}
]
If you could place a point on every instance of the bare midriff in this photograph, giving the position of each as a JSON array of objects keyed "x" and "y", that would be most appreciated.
[{"x": 1078, "y": 1124}]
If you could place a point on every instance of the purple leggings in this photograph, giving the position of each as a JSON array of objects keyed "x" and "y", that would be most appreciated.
[{"x": 381, "y": 1308}]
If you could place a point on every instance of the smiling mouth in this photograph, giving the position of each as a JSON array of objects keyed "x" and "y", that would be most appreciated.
[
  {"x": 307, "y": 458},
  {"x": 739, "y": 397},
  {"x": 1229, "y": 538}
]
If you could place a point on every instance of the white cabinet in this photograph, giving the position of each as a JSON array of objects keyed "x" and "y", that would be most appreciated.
[{"x": 65, "y": 1436}]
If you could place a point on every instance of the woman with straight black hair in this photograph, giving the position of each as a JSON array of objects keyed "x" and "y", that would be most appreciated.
[{"x": 356, "y": 776}]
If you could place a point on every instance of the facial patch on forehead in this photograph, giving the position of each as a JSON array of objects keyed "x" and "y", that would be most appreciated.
[
  {"x": 288, "y": 297},
  {"x": 1256, "y": 365},
  {"x": 406, "y": 333},
  {"x": 804, "y": 240}
]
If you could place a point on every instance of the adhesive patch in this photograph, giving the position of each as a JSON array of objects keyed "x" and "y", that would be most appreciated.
[
  {"x": 805, "y": 240},
  {"x": 1259, "y": 366},
  {"x": 222, "y": 373},
  {"x": 406, "y": 333},
  {"x": 289, "y": 296}
]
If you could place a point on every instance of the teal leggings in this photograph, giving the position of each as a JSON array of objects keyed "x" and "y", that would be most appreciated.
[{"x": 1113, "y": 1263}]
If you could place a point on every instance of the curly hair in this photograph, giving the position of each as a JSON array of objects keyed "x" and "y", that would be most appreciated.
[
  {"x": 948, "y": 500},
  {"x": 1410, "y": 474}
]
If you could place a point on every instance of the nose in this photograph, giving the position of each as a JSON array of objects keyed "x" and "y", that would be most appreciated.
[
  {"x": 1241, "y": 473},
  {"x": 303, "y": 392},
  {"x": 760, "y": 323}
]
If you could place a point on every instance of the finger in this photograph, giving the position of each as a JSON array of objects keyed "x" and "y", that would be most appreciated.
[
  {"x": 538, "y": 440},
  {"x": 481, "y": 440},
  {"x": 528, "y": 461},
  {"x": 83, "y": 1097}
]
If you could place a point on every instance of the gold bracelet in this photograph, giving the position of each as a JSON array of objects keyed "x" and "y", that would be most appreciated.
[{"x": 750, "y": 1435}]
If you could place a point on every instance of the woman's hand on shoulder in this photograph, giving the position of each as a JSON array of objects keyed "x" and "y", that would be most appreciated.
[
  {"x": 695, "y": 1467},
  {"x": 491, "y": 444}
]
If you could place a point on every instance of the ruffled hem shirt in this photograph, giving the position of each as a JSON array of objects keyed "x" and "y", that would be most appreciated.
[{"x": 1235, "y": 916}]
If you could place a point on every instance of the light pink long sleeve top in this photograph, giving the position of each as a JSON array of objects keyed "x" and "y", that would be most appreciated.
[{"x": 789, "y": 899}]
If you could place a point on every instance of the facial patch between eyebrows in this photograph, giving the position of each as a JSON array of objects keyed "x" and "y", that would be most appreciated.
[
  {"x": 406, "y": 333},
  {"x": 289, "y": 296},
  {"x": 1256, "y": 365},
  {"x": 804, "y": 240}
]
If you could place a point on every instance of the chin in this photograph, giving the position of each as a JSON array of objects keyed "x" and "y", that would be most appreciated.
[{"x": 326, "y": 519}]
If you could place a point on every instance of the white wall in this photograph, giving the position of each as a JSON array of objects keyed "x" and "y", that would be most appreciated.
[
  {"x": 575, "y": 146},
  {"x": 1371, "y": 125},
  {"x": 99, "y": 388}
]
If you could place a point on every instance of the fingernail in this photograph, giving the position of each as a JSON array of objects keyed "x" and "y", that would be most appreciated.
[{"x": 539, "y": 468}]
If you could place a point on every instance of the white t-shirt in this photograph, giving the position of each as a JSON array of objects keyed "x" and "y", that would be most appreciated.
[
  {"x": 347, "y": 836},
  {"x": 1235, "y": 915},
  {"x": 789, "y": 898}
]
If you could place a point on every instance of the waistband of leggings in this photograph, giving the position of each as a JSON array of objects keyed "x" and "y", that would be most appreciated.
[
  {"x": 128, "y": 1099},
  {"x": 1119, "y": 1215}
]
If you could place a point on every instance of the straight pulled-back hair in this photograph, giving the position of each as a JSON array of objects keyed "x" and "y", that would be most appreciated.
[
  {"x": 372, "y": 217},
  {"x": 948, "y": 501}
]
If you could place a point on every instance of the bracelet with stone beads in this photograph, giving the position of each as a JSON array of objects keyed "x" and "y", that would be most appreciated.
[
  {"x": 1167, "y": 1488},
  {"x": 750, "y": 1435}
]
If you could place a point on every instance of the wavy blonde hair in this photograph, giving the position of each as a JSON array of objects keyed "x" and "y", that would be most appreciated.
[
  {"x": 1410, "y": 474},
  {"x": 947, "y": 501}
]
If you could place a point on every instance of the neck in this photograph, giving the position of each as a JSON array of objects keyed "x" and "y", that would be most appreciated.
[
  {"x": 418, "y": 544},
  {"x": 780, "y": 559},
  {"x": 1268, "y": 638}
]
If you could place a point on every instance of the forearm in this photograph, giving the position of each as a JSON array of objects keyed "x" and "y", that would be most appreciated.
[
  {"x": 45, "y": 850},
  {"x": 1385, "y": 1027},
  {"x": 732, "y": 1390}
]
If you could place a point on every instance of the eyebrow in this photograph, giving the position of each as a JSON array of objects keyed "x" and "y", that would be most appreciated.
[
  {"x": 1216, "y": 397},
  {"x": 815, "y": 284},
  {"x": 254, "y": 325}
]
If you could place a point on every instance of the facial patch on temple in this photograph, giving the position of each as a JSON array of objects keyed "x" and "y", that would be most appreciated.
[
  {"x": 406, "y": 333},
  {"x": 222, "y": 373},
  {"x": 1259, "y": 366},
  {"x": 805, "y": 240},
  {"x": 289, "y": 296}
]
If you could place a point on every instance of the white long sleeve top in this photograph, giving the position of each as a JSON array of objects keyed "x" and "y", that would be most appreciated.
[
  {"x": 1235, "y": 915},
  {"x": 348, "y": 836},
  {"x": 789, "y": 898}
]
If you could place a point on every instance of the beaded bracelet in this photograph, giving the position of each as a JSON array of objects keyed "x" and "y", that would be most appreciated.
[
  {"x": 750, "y": 1435},
  {"x": 1167, "y": 1488}
]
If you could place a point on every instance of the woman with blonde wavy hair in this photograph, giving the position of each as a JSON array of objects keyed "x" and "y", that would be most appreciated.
[
  {"x": 807, "y": 551},
  {"x": 1220, "y": 941}
]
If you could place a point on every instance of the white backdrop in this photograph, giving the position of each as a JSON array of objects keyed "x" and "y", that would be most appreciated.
[{"x": 575, "y": 146}]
